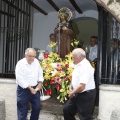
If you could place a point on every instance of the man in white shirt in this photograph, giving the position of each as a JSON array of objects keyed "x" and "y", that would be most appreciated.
[
  {"x": 29, "y": 77},
  {"x": 82, "y": 88},
  {"x": 93, "y": 49},
  {"x": 93, "y": 58}
]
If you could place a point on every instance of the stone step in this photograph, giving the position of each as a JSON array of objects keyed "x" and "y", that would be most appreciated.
[
  {"x": 53, "y": 106},
  {"x": 53, "y": 110}
]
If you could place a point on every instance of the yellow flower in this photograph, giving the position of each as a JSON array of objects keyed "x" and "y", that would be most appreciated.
[
  {"x": 53, "y": 44},
  {"x": 47, "y": 77},
  {"x": 62, "y": 74},
  {"x": 57, "y": 73},
  {"x": 75, "y": 43}
]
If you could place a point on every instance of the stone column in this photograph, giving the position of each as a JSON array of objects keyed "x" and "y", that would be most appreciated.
[{"x": 109, "y": 102}]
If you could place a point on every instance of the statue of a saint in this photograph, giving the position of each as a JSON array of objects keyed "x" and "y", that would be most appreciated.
[{"x": 65, "y": 32}]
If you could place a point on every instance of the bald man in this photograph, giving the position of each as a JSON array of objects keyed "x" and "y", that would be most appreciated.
[{"x": 82, "y": 88}]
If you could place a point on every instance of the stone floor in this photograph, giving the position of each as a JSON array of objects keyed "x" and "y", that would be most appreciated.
[
  {"x": 8, "y": 93},
  {"x": 44, "y": 115},
  {"x": 51, "y": 109}
]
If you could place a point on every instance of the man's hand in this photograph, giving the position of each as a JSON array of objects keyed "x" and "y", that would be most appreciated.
[
  {"x": 71, "y": 94},
  {"x": 36, "y": 89},
  {"x": 32, "y": 90},
  {"x": 39, "y": 87},
  {"x": 79, "y": 89}
]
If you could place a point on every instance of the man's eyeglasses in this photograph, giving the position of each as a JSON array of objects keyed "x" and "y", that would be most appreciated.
[{"x": 30, "y": 56}]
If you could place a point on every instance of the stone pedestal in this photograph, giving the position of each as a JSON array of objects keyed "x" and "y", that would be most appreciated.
[
  {"x": 109, "y": 102},
  {"x": 2, "y": 109}
]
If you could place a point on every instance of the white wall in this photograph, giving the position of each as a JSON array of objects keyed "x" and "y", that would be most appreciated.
[{"x": 43, "y": 26}]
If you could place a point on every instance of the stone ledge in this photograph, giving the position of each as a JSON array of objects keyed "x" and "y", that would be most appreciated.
[
  {"x": 108, "y": 87},
  {"x": 9, "y": 81}
]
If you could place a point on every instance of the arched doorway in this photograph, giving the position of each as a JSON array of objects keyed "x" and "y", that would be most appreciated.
[{"x": 84, "y": 28}]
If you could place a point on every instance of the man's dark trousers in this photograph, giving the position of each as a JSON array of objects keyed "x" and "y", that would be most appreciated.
[
  {"x": 82, "y": 103},
  {"x": 23, "y": 98}
]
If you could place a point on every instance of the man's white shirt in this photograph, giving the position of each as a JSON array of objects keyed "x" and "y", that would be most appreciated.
[
  {"x": 93, "y": 52},
  {"x": 83, "y": 73},
  {"x": 28, "y": 74}
]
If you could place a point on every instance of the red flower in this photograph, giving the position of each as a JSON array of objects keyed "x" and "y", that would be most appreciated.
[
  {"x": 48, "y": 92},
  {"x": 52, "y": 82},
  {"x": 58, "y": 86},
  {"x": 45, "y": 56},
  {"x": 67, "y": 65}
]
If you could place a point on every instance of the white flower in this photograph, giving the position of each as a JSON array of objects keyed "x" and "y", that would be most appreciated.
[
  {"x": 71, "y": 65},
  {"x": 54, "y": 65},
  {"x": 54, "y": 72}
]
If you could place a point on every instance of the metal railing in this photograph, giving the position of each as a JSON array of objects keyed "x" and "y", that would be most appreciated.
[
  {"x": 14, "y": 32},
  {"x": 108, "y": 67}
]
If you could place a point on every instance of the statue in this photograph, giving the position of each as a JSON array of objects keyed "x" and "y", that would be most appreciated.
[{"x": 64, "y": 32}]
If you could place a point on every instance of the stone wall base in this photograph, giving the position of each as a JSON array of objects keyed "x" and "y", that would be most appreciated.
[{"x": 109, "y": 102}]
